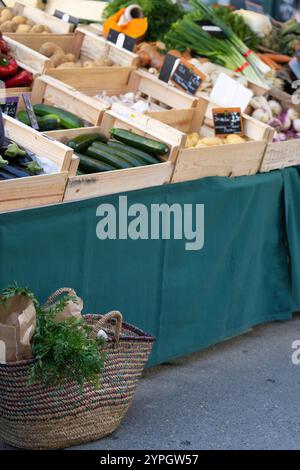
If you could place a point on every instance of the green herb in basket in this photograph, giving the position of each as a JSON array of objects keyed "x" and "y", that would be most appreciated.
[{"x": 63, "y": 350}]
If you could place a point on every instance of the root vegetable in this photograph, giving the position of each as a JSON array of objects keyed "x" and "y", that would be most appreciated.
[
  {"x": 293, "y": 114},
  {"x": 261, "y": 115},
  {"x": 37, "y": 28},
  {"x": 68, "y": 65},
  {"x": 57, "y": 59},
  {"x": 49, "y": 49},
  {"x": 275, "y": 123},
  {"x": 234, "y": 139},
  {"x": 19, "y": 19},
  {"x": 6, "y": 14},
  {"x": 285, "y": 121},
  {"x": 70, "y": 57},
  {"x": 276, "y": 107},
  {"x": 8, "y": 27},
  {"x": 211, "y": 141},
  {"x": 23, "y": 28},
  {"x": 296, "y": 125}
]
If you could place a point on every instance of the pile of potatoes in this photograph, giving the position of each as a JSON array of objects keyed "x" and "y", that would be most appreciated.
[
  {"x": 9, "y": 23},
  {"x": 194, "y": 140},
  {"x": 60, "y": 59}
]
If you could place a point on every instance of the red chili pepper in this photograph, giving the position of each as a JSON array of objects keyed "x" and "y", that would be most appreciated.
[
  {"x": 23, "y": 78},
  {"x": 8, "y": 67}
]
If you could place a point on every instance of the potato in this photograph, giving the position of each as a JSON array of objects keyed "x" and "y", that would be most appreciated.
[
  {"x": 211, "y": 141},
  {"x": 23, "y": 28},
  {"x": 49, "y": 49},
  {"x": 31, "y": 23},
  {"x": 37, "y": 28},
  {"x": 19, "y": 19},
  {"x": 234, "y": 139},
  {"x": 68, "y": 65},
  {"x": 58, "y": 58},
  {"x": 99, "y": 63},
  {"x": 6, "y": 14},
  {"x": 8, "y": 27},
  {"x": 47, "y": 29},
  {"x": 70, "y": 57},
  {"x": 192, "y": 140},
  {"x": 108, "y": 62},
  {"x": 88, "y": 63}
]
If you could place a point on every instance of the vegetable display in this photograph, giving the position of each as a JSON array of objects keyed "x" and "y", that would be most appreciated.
[
  {"x": 134, "y": 101},
  {"x": 50, "y": 118},
  {"x": 230, "y": 51},
  {"x": 125, "y": 150},
  {"x": 11, "y": 23},
  {"x": 10, "y": 72},
  {"x": 16, "y": 162},
  {"x": 195, "y": 140},
  {"x": 286, "y": 122},
  {"x": 59, "y": 59}
]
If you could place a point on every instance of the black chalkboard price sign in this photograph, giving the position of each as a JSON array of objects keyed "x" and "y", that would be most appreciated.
[
  {"x": 186, "y": 78},
  {"x": 10, "y": 106},
  {"x": 227, "y": 121},
  {"x": 121, "y": 40}
]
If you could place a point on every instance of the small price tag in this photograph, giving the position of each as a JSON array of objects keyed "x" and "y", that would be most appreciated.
[
  {"x": 167, "y": 68},
  {"x": 30, "y": 111},
  {"x": 187, "y": 78},
  {"x": 212, "y": 29},
  {"x": 121, "y": 40},
  {"x": 227, "y": 121},
  {"x": 66, "y": 17},
  {"x": 10, "y": 106}
]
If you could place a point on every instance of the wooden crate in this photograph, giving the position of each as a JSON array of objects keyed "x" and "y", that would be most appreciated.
[
  {"x": 40, "y": 190},
  {"x": 48, "y": 90},
  {"x": 38, "y": 16},
  {"x": 98, "y": 184},
  {"x": 280, "y": 155},
  {"x": 224, "y": 160},
  {"x": 84, "y": 44}
]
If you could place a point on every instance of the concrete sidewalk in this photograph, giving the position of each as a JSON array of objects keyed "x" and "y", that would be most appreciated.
[{"x": 241, "y": 394}]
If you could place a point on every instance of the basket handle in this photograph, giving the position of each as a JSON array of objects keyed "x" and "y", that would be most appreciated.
[
  {"x": 105, "y": 318},
  {"x": 57, "y": 293}
]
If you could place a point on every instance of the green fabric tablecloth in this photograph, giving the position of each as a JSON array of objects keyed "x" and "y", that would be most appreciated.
[{"x": 188, "y": 299}]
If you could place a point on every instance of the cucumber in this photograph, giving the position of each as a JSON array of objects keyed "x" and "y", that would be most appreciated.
[
  {"x": 68, "y": 120},
  {"x": 132, "y": 159},
  {"x": 143, "y": 143},
  {"x": 117, "y": 162},
  {"x": 89, "y": 165},
  {"x": 83, "y": 141},
  {"x": 46, "y": 123},
  {"x": 138, "y": 153}
]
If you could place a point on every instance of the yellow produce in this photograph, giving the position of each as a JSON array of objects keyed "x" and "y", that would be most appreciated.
[
  {"x": 234, "y": 139},
  {"x": 19, "y": 19},
  {"x": 211, "y": 141}
]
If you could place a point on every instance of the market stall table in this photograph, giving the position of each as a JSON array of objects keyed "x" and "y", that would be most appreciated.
[{"x": 188, "y": 299}]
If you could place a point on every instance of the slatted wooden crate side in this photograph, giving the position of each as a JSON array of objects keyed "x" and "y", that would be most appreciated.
[
  {"x": 36, "y": 142},
  {"x": 48, "y": 90},
  {"x": 23, "y": 193}
]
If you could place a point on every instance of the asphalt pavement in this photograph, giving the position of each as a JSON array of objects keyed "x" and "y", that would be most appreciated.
[{"x": 240, "y": 394}]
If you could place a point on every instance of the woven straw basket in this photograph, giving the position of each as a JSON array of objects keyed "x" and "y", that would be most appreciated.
[{"x": 40, "y": 417}]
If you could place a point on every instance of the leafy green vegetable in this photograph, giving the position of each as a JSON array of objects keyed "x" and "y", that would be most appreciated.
[
  {"x": 161, "y": 14},
  {"x": 63, "y": 350}
]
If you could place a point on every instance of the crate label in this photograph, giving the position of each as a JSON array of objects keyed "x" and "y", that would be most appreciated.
[
  {"x": 187, "y": 77},
  {"x": 10, "y": 106},
  {"x": 281, "y": 155},
  {"x": 170, "y": 63},
  {"x": 66, "y": 17},
  {"x": 30, "y": 111},
  {"x": 127, "y": 113},
  {"x": 227, "y": 121},
  {"x": 212, "y": 29},
  {"x": 121, "y": 40}
]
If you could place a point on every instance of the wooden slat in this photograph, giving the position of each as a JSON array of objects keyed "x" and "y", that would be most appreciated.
[
  {"x": 281, "y": 155},
  {"x": 32, "y": 191},
  {"x": 100, "y": 184},
  {"x": 38, "y": 16}
]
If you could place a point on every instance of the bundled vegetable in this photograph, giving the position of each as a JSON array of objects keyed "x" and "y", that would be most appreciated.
[
  {"x": 286, "y": 122},
  {"x": 230, "y": 51}
]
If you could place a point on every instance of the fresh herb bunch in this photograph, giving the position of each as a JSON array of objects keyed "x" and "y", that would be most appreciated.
[
  {"x": 63, "y": 350},
  {"x": 161, "y": 14},
  {"x": 15, "y": 290},
  {"x": 238, "y": 26}
]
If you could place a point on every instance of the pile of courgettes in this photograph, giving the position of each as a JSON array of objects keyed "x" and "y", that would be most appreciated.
[
  {"x": 51, "y": 118},
  {"x": 15, "y": 162},
  {"x": 124, "y": 149}
]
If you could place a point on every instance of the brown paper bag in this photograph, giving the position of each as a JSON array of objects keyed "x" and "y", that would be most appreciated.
[
  {"x": 17, "y": 326},
  {"x": 72, "y": 309}
]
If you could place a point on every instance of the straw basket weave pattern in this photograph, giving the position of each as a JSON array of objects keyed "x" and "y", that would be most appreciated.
[{"x": 39, "y": 417}]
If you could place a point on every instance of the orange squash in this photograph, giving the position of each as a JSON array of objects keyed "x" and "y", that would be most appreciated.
[{"x": 135, "y": 28}]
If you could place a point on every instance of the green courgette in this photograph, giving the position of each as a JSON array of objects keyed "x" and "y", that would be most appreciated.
[
  {"x": 117, "y": 162},
  {"x": 90, "y": 165},
  {"x": 83, "y": 141},
  {"x": 68, "y": 120},
  {"x": 143, "y": 143},
  {"x": 149, "y": 159},
  {"x": 130, "y": 158},
  {"x": 46, "y": 123}
]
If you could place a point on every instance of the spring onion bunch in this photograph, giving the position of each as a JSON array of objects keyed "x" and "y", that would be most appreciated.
[{"x": 230, "y": 52}]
